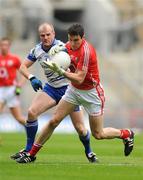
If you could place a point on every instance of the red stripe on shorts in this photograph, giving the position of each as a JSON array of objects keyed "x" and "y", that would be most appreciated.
[{"x": 100, "y": 92}]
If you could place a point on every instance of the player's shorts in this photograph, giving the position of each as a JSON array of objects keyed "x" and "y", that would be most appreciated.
[
  {"x": 92, "y": 100},
  {"x": 7, "y": 96},
  {"x": 56, "y": 93}
]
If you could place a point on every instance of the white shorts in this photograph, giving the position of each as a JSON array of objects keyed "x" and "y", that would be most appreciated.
[
  {"x": 7, "y": 96},
  {"x": 92, "y": 100}
]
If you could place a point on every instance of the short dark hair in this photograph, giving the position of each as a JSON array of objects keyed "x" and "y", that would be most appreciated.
[
  {"x": 6, "y": 39},
  {"x": 75, "y": 30}
]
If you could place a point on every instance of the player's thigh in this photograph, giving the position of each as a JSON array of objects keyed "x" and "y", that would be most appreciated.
[
  {"x": 96, "y": 124},
  {"x": 16, "y": 112},
  {"x": 1, "y": 106},
  {"x": 77, "y": 118},
  {"x": 63, "y": 109},
  {"x": 41, "y": 103}
]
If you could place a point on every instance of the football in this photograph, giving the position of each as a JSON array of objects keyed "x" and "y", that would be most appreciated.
[{"x": 61, "y": 59}]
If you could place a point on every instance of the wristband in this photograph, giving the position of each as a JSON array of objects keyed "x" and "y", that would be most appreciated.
[{"x": 30, "y": 76}]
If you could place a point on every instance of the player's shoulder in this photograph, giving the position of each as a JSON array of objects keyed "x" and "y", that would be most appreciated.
[
  {"x": 13, "y": 56},
  {"x": 36, "y": 48},
  {"x": 88, "y": 46},
  {"x": 58, "y": 42}
]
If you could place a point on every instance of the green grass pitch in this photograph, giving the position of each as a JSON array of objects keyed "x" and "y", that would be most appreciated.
[{"x": 62, "y": 158}]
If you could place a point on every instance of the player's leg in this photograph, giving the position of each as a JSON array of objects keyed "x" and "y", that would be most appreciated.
[
  {"x": 13, "y": 103},
  {"x": 2, "y": 98},
  {"x": 96, "y": 125},
  {"x": 1, "y": 106},
  {"x": 40, "y": 104},
  {"x": 17, "y": 114},
  {"x": 63, "y": 109},
  {"x": 1, "y": 109},
  {"x": 53, "y": 95},
  {"x": 94, "y": 104},
  {"x": 84, "y": 134}
]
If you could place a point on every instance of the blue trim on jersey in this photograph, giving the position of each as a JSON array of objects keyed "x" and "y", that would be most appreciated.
[
  {"x": 56, "y": 79},
  {"x": 53, "y": 43},
  {"x": 56, "y": 93},
  {"x": 30, "y": 57},
  {"x": 49, "y": 74}
]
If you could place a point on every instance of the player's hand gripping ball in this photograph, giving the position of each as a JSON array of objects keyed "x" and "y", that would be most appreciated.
[
  {"x": 58, "y": 62},
  {"x": 61, "y": 59}
]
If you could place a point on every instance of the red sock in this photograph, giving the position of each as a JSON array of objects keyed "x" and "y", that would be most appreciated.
[
  {"x": 125, "y": 133},
  {"x": 35, "y": 149}
]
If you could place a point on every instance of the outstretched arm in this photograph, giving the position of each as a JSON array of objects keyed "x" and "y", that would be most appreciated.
[
  {"x": 36, "y": 83},
  {"x": 24, "y": 68}
]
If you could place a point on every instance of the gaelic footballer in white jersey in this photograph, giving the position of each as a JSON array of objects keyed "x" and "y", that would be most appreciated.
[{"x": 40, "y": 55}]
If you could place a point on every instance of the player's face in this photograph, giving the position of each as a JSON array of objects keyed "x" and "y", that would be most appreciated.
[
  {"x": 47, "y": 36},
  {"x": 75, "y": 41},
  {"x": 4, "y": 47}
]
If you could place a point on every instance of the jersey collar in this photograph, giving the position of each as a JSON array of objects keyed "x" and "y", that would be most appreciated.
[{"x": 47, "y": 49}]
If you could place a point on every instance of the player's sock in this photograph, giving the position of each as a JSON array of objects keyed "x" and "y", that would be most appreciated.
[
  {"x": 125, "y": 133},
  {"x": 31, "y": 130},
  {"x": 86, "y": 142},
  {"x": 35, "y": 149}
]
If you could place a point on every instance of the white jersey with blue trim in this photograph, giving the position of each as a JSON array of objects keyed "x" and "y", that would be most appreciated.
[{"x": 40, "y": 55}]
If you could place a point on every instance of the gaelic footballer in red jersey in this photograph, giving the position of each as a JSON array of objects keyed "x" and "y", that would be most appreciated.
[
  {"x": 9, "y": 64},
  {"x": 84, "y": 58},
  {"x": 85, "y": 90},
  {"x": 9, "y": 87}
]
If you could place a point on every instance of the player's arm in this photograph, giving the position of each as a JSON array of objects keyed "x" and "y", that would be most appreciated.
[
  {"x": 77, "y": 77},
  {"x": 82, "y": 68},
  {"x": 24, "y": 68},
  {"x": 20, "y": 80},
  {"x": 36, "y": 83}
]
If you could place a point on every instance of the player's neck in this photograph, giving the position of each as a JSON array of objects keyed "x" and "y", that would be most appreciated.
[
  {"x": 46, "y": 48},
  {"x": 4, "y": 53}
]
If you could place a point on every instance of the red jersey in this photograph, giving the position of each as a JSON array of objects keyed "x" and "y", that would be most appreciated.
[
  {"x": 84, "y": 58},
  {"x": 9, "y": 65}
]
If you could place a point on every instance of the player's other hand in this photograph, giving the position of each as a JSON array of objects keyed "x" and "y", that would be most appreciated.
[
  {"x": 54, "y": 68},
  {"x": 17, "y": 91},
  {"x": 36, "y": 83},
  {"x": 55, "y": 49}
]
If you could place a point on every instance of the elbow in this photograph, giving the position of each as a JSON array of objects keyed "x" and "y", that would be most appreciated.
[
  {"x": 79, "y": 81},
  {"x": 20, "y": 69}
]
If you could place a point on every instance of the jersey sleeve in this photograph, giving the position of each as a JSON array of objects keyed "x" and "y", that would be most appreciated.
[
  {"x": 31, "y": 55},
  {"x": 84, "y": 58}
]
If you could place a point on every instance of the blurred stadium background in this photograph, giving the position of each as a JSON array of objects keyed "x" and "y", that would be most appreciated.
[{"x": 114, "y": 27}]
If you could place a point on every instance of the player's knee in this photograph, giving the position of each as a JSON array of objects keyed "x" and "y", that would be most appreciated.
[
  {"x": 80, "y": 129},
  {"x": 21, "y": 120},
  {"x": 32, "y": 114},
  {"x": 54, "y": 123},
  {"x": 98, "y": 135}
]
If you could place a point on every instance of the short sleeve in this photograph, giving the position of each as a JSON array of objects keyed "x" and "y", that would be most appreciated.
[
  {"x": 31, "y": 55},
  {"x": 17, "y": 62}
]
